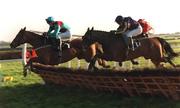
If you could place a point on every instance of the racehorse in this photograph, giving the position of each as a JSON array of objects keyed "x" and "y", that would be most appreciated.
[
  {"x": 47, "y": 55},
  {"x": 113, "y": 48}
]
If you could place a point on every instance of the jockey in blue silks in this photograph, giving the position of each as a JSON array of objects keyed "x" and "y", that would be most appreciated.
[
  {"x": 57, "y": 32},
  {"x": 128, "y": 27}
]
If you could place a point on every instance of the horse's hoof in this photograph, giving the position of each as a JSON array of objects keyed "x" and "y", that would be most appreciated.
[
  {"x": 26, "y": 70},
  {"x": 91, "y": 70},
  {"x": 120, "y": 64},
  {"x": 25, "y": 73},
  {"x": 106, "y": 66},
  {"x": 95, "y": 69},
  {"x": 135, "y": 63}
]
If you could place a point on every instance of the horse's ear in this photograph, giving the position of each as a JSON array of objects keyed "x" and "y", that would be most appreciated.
[
  {"x": 24, "y": 28},
  {"x": 92, "y": 28},
  {"x": 88, "y": 29}
]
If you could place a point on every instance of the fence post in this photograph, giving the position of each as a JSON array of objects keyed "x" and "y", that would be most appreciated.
[
  {"x": 24, "y": 50},
  {"x": 69, "y": 64},
  {"x": 87, "y": 65},
  {"x": 78, "y": 64},
  {"x": 114, "y": 64}
]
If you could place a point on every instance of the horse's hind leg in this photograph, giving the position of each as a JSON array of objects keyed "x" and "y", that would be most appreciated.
[
  {"x": 134, "y": 62},
  {"x": 157, "y": 64},
  {"x": 167, "y": 59},
  {"x": 103, "y": 63}
]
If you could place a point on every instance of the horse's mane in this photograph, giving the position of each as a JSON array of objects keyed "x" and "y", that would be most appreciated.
[
  {"x": 41, "y": 37},
  {"x": 34, "y": 33},
  {"x": 107, "y": 34},
  {"x": 101, "y": 31},
  {"x": 104, "y": 37},
  {"x": 37, "y": 37}
]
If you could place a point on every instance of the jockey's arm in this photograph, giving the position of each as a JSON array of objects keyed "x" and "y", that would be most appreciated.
[
  {"x": 56, "y": 31},
  {"x": 49, "y": 31},
  {"x": 119, "y": 31}
]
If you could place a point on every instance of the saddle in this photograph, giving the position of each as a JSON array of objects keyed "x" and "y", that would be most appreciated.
[
  {"x": 65, "y": 45},
  {"x": 136, "y": 41},
  {"x": 55, "y": 43}
]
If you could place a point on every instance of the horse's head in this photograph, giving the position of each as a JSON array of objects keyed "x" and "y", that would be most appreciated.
[
  {"x": 19, "y": 39},
  {"x": 87, "y": 39}
]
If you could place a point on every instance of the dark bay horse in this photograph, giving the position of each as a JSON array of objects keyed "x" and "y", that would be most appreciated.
[
  {"x": 48, "y": 56},
  {"x": 113, "y": 48}
]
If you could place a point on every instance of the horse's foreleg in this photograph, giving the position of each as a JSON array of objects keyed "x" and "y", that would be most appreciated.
[
  {"x": 28, "y": 66},
  {"x": 92, "y": 66},
  {"x": 134, "y": 62}
]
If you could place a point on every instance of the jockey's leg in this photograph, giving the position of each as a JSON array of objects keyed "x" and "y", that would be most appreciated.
[
  {"x": 59, "y": 41},
  {"x": 131, "y": 43},
  {"x": 65, "y": 36},
  {"x": 133, "y": 33},
  {"x": 126, "y": 41},
  {"x": 53, "y": 43}
]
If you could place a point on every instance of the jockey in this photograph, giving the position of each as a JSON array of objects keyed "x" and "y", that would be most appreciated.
[
  {"x": 128, "y": 28},
  {"x": 146, "y": 27},
  {"x": 58, "y": 30}
]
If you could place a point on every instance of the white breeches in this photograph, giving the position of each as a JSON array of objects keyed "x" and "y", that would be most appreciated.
[
  {"x": 134, "y": 32},
  {"x": 65, "y": 36}
]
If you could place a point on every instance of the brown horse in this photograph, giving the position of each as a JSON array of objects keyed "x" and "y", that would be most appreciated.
[
  {"x": 114, "y": 49},
  {"x": 48, "y": 56}
]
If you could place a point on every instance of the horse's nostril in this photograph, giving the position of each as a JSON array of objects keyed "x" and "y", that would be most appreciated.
[{"x": 12, "y": 45}]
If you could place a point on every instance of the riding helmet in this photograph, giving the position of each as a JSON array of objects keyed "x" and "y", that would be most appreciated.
[
  {"x": 119, "y": 19},
  {"x": 50, "y": 19}
]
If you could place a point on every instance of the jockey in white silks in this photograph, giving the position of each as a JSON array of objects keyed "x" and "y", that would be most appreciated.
[{"x": 129, "y": 28}]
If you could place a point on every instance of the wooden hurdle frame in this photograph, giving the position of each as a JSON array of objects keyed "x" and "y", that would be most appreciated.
[
  {"x": 137, "y": 83},
  {"x": 154, "y": 83}
]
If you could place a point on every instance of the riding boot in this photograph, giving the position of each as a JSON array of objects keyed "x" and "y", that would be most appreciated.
[
  {"x": 126, "y": 41},
  {"x": 53, "y": 43},
  {"x": 59, "y": 48},
  {"x": 60, "y": 54},
  {"x": 59, "y": 51},
  {"x": 131, "y": 44}
]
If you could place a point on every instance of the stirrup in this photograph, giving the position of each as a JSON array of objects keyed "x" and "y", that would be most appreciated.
[
  {"x": 59, "y": 54},
  {"x": 127, "y": 53},
  {"x": 132, "y": 48}
]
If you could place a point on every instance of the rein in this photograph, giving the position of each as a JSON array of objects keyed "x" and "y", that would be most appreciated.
[
  {"x": 38, "y": 32},
  {"x": 139, "y": 39},
  {"x": 42, "y": 47}
]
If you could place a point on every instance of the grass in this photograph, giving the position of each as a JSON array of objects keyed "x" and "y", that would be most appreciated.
[
  {"x": 40, "y": 96},
  {"x": 30, "y": 92}
]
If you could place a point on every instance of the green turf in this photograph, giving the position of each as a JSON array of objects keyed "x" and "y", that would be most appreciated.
[{"x": 30, "y": 92}]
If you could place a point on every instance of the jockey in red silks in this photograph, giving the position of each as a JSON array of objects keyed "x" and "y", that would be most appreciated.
[
  {"x": 128, "y": 27},
  {"x": 146, "y": 26},
  {"x": 58, "y": 30},
  {"x": 30, "y": 54}
]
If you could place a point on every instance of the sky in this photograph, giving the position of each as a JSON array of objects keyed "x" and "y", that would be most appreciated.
[{"x": 163, "y": 15}]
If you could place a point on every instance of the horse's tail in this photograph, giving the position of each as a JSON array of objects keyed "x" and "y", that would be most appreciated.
[{"x": 168, "y": 49}]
